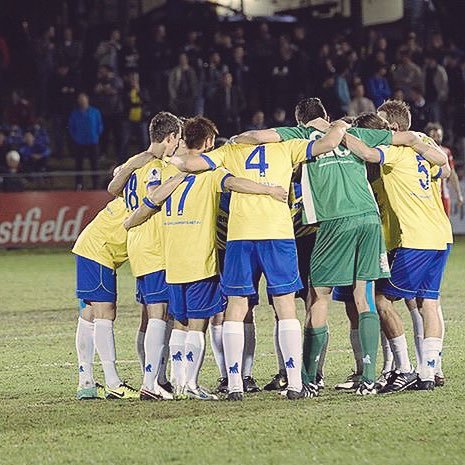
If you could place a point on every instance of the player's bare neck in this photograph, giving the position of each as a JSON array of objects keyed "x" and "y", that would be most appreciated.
[{"x": 157, "y": 149}]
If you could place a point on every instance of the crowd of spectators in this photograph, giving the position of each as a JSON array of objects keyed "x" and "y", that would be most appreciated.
[{"x": 240, "y": 80}]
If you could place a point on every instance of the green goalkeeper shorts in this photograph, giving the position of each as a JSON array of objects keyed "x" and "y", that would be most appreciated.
[{"x": 347, "y": 250}]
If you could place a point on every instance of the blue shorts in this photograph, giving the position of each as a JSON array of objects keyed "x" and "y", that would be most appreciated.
[
  {"x": 343, "y": 293},
  {"x": 198, "y": 300},
  {"x": 247, "y": 260},
  {"x": 253, "y": 299},
  {"x": 94, "y": 282},
  {"x": 415, "y": 273},
  {"x": 152, "y": 288}
]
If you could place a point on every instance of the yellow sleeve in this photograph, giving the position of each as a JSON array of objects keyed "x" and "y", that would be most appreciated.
[
  {"x": 300, "y": 150},
  {"x": 390, "y": 154},
  {"x": 219, "y": 176},
  {"x": 216, "y": 157}
]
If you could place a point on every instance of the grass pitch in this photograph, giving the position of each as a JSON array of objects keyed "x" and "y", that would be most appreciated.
[{"x": 42, "y": 423}]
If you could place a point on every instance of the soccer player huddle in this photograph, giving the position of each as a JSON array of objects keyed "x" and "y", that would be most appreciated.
[{"x": 344, "y": 210}]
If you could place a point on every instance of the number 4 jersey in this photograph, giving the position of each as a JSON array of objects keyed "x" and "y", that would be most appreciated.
[
  {"x": 260, "y": 217},
  {"x": 408, "y": 181},
  {"x": 144, "y": 241}
]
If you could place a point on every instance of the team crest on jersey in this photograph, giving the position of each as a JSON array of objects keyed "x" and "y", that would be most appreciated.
[
  {"x": 384, "y": 263},
  {"x": 155, "y": 175}
]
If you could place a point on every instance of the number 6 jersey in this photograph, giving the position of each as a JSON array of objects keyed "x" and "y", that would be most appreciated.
[{"x": 144, "y": 241}]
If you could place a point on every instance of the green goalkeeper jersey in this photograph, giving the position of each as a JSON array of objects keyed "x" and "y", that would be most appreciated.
[{"x": 335, "y": 184}]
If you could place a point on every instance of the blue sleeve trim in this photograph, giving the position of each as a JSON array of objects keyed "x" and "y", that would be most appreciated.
[
  {"x": 149, "y": 203},
  {"x": 226, "y": 176},
  {"x": 309, "y": 150},
  {"x": 210, "y": 162},
  {"x": 438, "y": 175},
  {"x": 153, "y": 183},
  {"x": 381, "y": 156}
]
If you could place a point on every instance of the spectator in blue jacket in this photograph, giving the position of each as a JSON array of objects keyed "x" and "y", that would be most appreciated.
[
  {"x": 34, "y": 154},
  {"x": 378, "y": 86},
  {"x": 85, "y": 127}
]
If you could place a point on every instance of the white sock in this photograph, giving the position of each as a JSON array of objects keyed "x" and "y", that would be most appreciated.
[
  {"x": 322, "y": 360},
  {"x": 388, "y": 356},
  {"x": 249, "y": 349},
  {"x": 216, "y": 341},
  {"x": 178, "y": 371},
  {"x": 105, "y": 345},
  {"x": 195, "y": 352},
  {"x": 233, "y": 344},
  {"x": 140, "y": 336},
  {"x": 357, "y": 350},
  {"x": 165, "y": 355},
  {"x": 85, "y": 349},
  {"x": 290, "y": 341},
  {"x": 430, "y": 356},
  {"x": 153, "y": 345},
  {"x": 418, "y": 332},
  {"x": 443, "y": 332},
  {"x": 277, "y": 349},
  {"x": 400, "y": 352}
]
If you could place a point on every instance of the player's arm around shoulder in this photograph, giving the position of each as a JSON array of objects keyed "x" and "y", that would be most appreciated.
[
  {"x": 331, "y": 139},
  {"x": 247, "y": 186},
  {"x": 435, "y": 155},
  {"x": 123, "y": 173},
  {"x": 363, "y": 151},
  {"x": 256, "y": 137}
]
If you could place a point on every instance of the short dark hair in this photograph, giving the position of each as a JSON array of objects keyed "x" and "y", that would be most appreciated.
[
  {"x": 370, "y": 121},
  {"x": 197, "y": 130},
  {"x": 309, "y": 108},
  {"x": 433, "y": 127},
  {"x": 397, "y": 112},
  {"x": 162, "y": 125}
]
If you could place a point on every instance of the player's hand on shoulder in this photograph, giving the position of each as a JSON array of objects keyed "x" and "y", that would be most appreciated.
[
  {"x": 141, "y": 159},
  {"x": 340, "y": 123},
  {"x": 318, "y": 123},
  {"x": 278, "y": 193}
]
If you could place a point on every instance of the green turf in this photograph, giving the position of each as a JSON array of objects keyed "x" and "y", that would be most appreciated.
[{"x": 41, "y": 423}]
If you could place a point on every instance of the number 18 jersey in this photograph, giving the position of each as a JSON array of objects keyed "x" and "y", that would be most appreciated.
[
  {"x": 260, "y": 217},
  {"x": 144, "y": 241}
]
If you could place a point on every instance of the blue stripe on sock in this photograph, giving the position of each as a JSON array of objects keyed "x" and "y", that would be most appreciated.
[{"x": 369, "y": 295}]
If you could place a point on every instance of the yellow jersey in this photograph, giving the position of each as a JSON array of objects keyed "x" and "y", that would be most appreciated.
[
  {"x": 189, "y": 217},
  {"x": 391, "y": 226},
  {"x": 104, "y": 238},
  {"x": 257, "y": 217},
  {"x": 408, "y": 181},
  {"x": 144, "y": 241}
]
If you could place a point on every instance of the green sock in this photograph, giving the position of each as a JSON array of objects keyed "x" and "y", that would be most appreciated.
[
  {"x": 314, "y": 340},
  {"x": 368, "y": 327}
]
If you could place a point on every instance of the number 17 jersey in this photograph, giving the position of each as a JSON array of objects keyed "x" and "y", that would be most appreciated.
[
  {"x": 260, "y": 217},
  {"x": 189, "y": 226}
]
